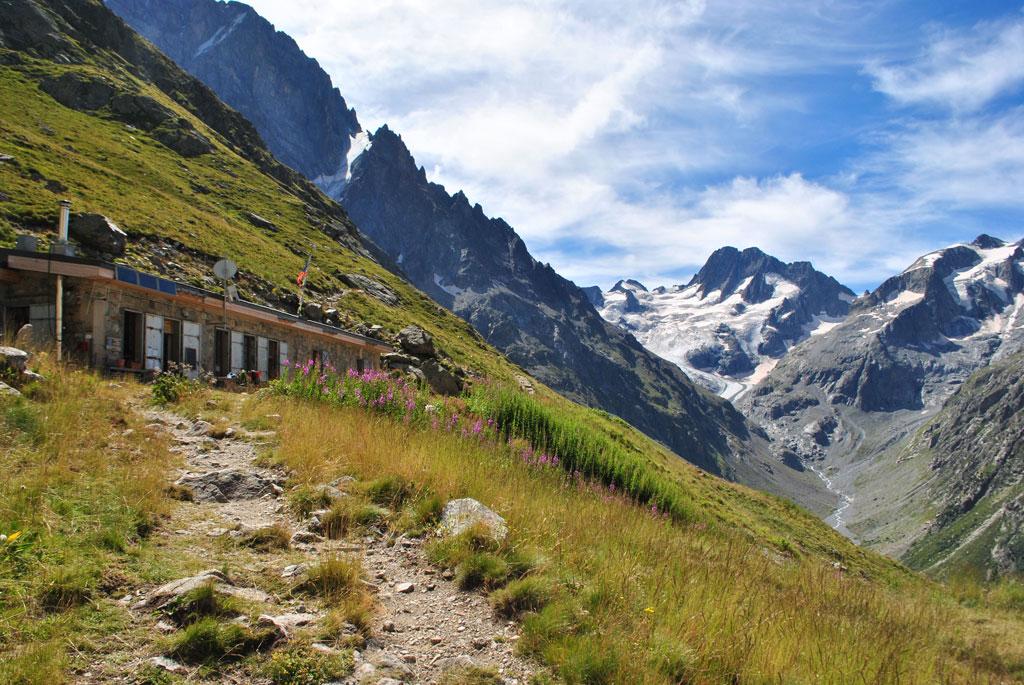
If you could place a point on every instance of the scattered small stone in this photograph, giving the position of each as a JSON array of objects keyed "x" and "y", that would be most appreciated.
[
  {"x": 447, "y": 574},
  {"x": 480, "y": 642},
  {"x": 409, "y": 658},
  {"x": 405, "y": 588},
  {"x": 435, "y": 640},
  {"x": 200, "y": 428},
  {"x": 165, "y": 627},
  {"x": 169, "y": 665},
  {"x": 293, "y": 570},
  {"x": 431, "y": 587},
  {"x": 305, "y": 537}
]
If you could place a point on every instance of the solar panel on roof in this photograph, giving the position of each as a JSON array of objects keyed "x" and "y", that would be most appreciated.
[
  {"x": 126, "y": 275},
  {"x": 168, "y": 287},
  {"x": 149, "y": 281}
]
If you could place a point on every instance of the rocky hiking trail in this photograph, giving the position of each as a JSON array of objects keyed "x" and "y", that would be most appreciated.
[{"x": 423, "y": 627}]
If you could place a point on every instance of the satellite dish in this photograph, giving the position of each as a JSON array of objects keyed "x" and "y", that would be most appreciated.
[{"x": 225, "y": 269}]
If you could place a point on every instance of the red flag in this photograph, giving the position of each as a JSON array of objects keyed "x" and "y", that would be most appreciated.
[{"x": 301, "y": 279}]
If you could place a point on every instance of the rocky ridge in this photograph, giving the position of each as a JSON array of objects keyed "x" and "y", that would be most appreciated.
[{"x": 261, "y": 73}]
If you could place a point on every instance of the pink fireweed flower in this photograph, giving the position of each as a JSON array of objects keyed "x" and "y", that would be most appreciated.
[{"x": 477, "y": 427}]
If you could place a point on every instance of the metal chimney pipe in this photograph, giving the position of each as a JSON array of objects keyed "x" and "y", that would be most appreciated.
[
  {"x": 65, "y": 218},
  {"x": 62, "y": 231}
]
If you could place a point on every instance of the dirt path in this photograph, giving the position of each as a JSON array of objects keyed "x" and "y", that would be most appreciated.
[{"x": 424, "y": 625}]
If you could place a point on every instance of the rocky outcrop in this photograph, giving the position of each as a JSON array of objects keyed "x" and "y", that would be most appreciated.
[
  {"x": 260, "y": 72},
  {"x": 975, "y": 450},
  {"x": 420, "y": 358},
  {"x": 97, "y": 233},
  {"x": 416, "y": 341},
  {"x": 227, "y": 485}
]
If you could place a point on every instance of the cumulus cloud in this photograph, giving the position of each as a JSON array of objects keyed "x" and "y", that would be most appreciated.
[{"x": 961, "y": 70}]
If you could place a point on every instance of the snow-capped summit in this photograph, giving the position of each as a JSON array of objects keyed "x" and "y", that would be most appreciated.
[{"x": 728, "y": 326}]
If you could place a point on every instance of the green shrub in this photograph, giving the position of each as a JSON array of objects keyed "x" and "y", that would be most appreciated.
[
  {"x": 523, "y": 595},
  {"x": 348, "y": 513},
  {"x": 169, "y": 387},
  {"x": 391, "y": 491},
  {"x": 423, "y": 515},
  {"x": 334, "y": 577},
  {"x": 209, "y": 640},
  {"x": 580, "y": 449},
  {"x": 304, "y": 500},
  {"x": 481, "y": 569},
  {"x": 303, "y": 666}
]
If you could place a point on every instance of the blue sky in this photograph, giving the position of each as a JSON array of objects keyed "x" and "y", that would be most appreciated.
[{"x": 632, "y": 139}]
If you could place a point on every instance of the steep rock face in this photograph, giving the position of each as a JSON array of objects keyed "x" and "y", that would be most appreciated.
[
  {"x": 975, "y": 451},
  {"x": 260, "y": 72},
  {"x": 480, "y": 268},
  {"x": 885, "y": 371},
  {"x": 729, "y": 325}
]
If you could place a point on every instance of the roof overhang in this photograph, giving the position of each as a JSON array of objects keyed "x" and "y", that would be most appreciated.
[{"x": 14, "y": 261}]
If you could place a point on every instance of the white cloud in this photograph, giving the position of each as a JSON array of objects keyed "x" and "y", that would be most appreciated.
[
  {"x": 632, "y": 139},
  {"x": 963, "y": 163},
  {"x": 959, "y": 70},
  {"x": 787, "y": 216}
]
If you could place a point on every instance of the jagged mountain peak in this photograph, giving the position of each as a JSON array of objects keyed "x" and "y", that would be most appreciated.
[
  {"x": 987, "y": 242},
  {"x": 735, "y": 317},
  {"x": 629, "y": 284},
  {"x": 226, "y": 45}
]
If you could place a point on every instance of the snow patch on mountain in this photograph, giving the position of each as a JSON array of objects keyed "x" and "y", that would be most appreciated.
[
  {"x": 333, "y": 184},
  {"x": 681, "y": 322},
  {"x": 221, "y": 35}
]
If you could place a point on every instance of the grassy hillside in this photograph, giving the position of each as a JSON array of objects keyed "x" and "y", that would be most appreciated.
[{"x": 604, "y": 590}]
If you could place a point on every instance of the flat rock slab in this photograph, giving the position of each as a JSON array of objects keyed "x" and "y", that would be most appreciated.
[
  {"x": 227, "y": 485},
  {"x": 167, "y": 593}
]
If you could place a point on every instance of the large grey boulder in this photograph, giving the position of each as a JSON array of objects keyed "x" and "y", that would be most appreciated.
[
  {"x": 313, "y": 311},
  {"x": 13, "y": 359},
  {"x": 441, "y": 380},
  {"x": 227, "y": 485},
  {"x": 460, "y": 515},
  {"x": 98, "y": 233},
  {"x": 416, "y": 341}
]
